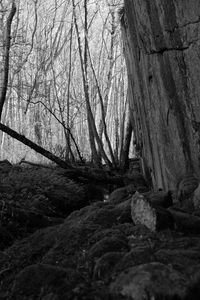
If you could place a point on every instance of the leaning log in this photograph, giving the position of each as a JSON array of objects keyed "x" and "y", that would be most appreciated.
[
  {"x": 34, "y": 146},
  {"x": 76, "y": 173}
]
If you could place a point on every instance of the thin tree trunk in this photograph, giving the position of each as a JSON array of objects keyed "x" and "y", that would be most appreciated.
[
  {"x": 95, "y": 155},
  {"x": 68, "y": 92},
  {"x": 103, "y": 116},
  {"x": 110, "y": 70},
  {"x": 7, "y": 57},
  {"x": 89, "y": 111}
]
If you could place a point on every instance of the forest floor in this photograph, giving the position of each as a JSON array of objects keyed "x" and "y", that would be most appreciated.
[{"x": 60, "y": 239}]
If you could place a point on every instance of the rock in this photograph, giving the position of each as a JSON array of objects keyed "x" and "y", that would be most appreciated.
[
  {"x": 108, "y": 244},
  {"x": 41, "y": 279},
  {"x": 135, "y": 231},
  {"x": 107, "y": 233},
  {"x": 136, "y": 256},
  {"x": 108, "y": 215},
  {"x": 5, "y": 166},
  {"x": 121, "y": 194},
  {"x": 155, "y": 218},
  {"x": 105, "y": 265},
  {"x": 83, "y": 255},
  {"x": 149, "y": 281},
  {"x": 123, "y": 210},
  {"x": 180, "y": 257},
  {"x": 102, "y": 248}
]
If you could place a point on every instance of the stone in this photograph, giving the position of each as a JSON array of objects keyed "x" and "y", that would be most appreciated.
[
  {"x": 43, "y": 279},
  {"x": 121, "y": 194},
  {"x": 106, "y": 245},
  {"x": 105, "y": 265},
  {"x": 149, "y": 281},
  {"x": 5, "y": 166}
]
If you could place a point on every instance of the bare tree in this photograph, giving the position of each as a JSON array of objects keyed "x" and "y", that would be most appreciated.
[{"x": 7, "y": 55}]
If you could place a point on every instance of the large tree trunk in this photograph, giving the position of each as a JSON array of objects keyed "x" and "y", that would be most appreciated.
[{"x": 161, "y": 41}]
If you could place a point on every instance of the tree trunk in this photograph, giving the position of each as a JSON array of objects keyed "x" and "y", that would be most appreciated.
[
  {"x": 91, "y": 122},
  {"x": 68, "y": 150},
  {"x": 126, "y": 146},
  {"x": 7, "y": 56},
  {"x": 161, "y": 43}
]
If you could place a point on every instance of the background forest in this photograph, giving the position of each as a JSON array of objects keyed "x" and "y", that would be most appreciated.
[{"x": 67, "y": 84}]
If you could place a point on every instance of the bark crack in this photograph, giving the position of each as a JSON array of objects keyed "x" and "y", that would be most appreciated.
[
  {"x": 169, "y": 49},
  {"x": 182, "y": 26}
]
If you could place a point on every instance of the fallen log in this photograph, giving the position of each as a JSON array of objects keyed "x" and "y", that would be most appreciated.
[
  {"x": 98, "y": 175},
  {"x": 160, "y": 198},
  {"x": 34, "y": 146},
  {"x": 35, "y": 164},
  {"x": 153, "y": 217},
  {"x": 185, "y": 222},
  {"x": 76, "y": 173}
]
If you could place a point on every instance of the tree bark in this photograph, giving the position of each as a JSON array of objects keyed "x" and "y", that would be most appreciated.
[
  {"x": 7, "y": 56},
  {"x": 68, "y": 150},
  {"x": 125, "y": 151}
]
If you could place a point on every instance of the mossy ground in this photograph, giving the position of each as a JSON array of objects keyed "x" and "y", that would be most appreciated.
[{"x": 82, "y": 255}]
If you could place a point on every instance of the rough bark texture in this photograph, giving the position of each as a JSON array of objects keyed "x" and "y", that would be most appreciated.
[{"x": 161, "y": 40}]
